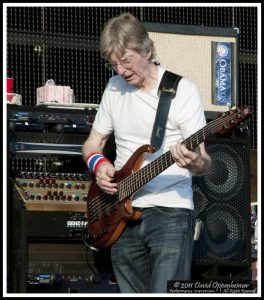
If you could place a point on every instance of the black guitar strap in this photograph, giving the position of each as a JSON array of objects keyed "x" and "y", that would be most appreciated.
[{"x": 167, "y": 91}]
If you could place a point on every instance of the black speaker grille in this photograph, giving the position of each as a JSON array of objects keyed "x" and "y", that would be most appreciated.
[
  {"x": 222, "y": 204},
  {"x": 224, "y": 234},
  {"x": 227, "y": 173}
]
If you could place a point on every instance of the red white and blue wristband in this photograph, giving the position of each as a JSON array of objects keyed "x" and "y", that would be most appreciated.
[{"x": 94, "y": 160}]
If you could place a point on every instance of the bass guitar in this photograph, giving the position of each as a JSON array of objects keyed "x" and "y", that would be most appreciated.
[{"x": 108, "y": 214}]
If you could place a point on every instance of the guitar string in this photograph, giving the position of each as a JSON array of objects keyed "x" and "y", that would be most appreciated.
[
  {"x": 188, "y": 142},
  {"x": 130, "y": 178},
  {"x": 102, "y": 210},
  {"x": 98, "y": 209},
  {"x": 108, "y": 205}
]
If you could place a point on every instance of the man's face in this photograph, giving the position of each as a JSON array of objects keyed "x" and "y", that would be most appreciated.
[{"x": 132, "y": 66}]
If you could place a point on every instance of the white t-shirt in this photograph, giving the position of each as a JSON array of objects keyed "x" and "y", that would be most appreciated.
[{"x": 130, "y": 113}]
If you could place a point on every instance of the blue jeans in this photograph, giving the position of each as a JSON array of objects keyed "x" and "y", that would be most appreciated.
[{"x": 154, "y": 249}]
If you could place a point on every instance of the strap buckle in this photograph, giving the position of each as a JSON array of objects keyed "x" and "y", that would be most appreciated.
[{"x": 167, "y": 90}]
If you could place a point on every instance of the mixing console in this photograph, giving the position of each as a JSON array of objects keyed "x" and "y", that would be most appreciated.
[{"x": 53, "y": 191}]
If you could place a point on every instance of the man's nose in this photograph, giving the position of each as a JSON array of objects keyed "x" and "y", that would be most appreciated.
[{"x": 120, "y": 69}]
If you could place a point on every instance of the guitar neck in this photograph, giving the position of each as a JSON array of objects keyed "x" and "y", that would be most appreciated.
[{"x": 135, "y": 181}]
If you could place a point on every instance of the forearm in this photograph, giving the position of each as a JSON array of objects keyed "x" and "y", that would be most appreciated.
[
  {"x": 92, "y": 151},
  {"x": 89, "y": 148},
  {"x": 99, "y": 165},
  {"x": 94, "y": 143}
]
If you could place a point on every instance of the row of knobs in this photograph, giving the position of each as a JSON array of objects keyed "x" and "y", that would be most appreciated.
[
  {"x": 55, "y": 196},
  {"x": 51, "y": 177},
  {"x": 44, "y": 184}
]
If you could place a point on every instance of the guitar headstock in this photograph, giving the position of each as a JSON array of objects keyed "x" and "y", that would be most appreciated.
[{"x": 233, "y": 117}]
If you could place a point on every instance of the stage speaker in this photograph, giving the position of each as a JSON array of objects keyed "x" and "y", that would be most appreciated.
[
  {"x": 222, "y": 205},
  {"x": 194, "y": 52}
]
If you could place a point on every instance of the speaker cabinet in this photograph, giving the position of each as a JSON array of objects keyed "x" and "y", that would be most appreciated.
[
  {"x": 190, "y": 51},
  {"x": 222, "y": 205}
]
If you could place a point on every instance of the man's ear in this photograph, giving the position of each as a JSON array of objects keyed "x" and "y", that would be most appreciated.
[{"x": 148, "y": 54}]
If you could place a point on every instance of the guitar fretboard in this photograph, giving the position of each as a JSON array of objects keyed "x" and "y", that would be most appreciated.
[{"x": 138, "y": 179}]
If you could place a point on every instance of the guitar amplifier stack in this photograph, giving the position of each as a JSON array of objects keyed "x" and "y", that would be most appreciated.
[{"x": 47, "y": 194}]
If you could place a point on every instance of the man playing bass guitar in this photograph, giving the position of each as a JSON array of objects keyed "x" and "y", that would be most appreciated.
[{"x": 157, "y": 246}]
